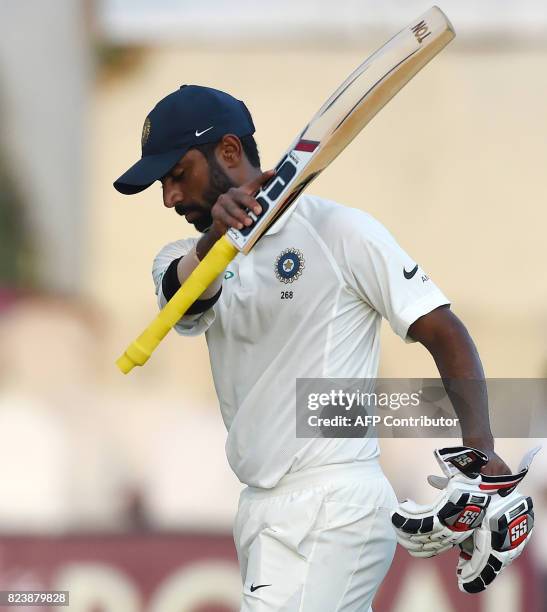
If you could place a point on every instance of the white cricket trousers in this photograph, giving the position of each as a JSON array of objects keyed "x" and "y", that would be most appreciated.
[{"x": 320, "y": 541}]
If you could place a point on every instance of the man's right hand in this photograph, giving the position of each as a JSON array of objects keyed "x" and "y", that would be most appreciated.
[{"x": 230, "y": 208}]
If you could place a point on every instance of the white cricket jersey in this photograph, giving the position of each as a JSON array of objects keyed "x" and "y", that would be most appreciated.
[{"x": 306, "y": 302}]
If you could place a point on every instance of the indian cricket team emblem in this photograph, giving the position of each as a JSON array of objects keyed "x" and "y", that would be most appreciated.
[
  {"x": 289, "y": 265},
  {"x": 145, "y": 131}
]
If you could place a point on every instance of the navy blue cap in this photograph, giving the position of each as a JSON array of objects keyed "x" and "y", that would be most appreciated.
[{"x": 190, "y": 116}]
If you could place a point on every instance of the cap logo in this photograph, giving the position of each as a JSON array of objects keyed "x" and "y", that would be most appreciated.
[
  {"x": 145, "y": 131},
  {"x": 198, "y": 133}
]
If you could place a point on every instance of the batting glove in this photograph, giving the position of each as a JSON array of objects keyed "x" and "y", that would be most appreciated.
[
  {"x": 429, "y": 530},
  {"x": 505, "y": 531}
]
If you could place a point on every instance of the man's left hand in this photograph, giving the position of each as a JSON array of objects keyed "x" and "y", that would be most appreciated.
[{"x": 496, "y": 466}]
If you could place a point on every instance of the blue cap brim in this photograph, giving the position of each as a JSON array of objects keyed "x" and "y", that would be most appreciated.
[{"x": 147, "y": 170}]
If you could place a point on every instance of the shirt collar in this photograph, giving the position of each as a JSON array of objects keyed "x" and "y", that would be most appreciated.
[{"x": 280, "y": 223}]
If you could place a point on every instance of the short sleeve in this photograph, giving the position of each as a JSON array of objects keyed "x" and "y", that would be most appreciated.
[
  {"x": 382, "y": 274},
  {"x": 189, "y": 325}
]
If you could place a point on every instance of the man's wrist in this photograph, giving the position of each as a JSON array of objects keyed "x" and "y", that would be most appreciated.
[
  {"x": 484, "y": 444},
  {"x": 205, "y": 243}
]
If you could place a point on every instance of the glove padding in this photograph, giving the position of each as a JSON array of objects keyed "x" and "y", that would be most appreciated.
[
  {"x": 505, "y": 531},
  {"x": 426, "y": 531}
]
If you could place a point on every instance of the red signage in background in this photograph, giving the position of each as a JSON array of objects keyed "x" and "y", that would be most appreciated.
[
  {"x": 132, "y": 573},
  {"x": 429, "y": 585},
  {"x": 199, "y": 573}
]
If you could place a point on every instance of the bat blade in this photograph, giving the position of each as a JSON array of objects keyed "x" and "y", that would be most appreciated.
[{"x": 344, "y": 115}]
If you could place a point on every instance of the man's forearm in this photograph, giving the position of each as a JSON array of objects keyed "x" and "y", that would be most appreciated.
[
  {"x": 459, "y": 365},
  {"x": 190, "y": 261},
  {"x": 463, "y": 377},
  {"x": 181, "y": 268}
]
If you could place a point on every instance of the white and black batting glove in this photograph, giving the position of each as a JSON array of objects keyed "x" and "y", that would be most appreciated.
[
  {"x": 426, "y": 531},
  {"x": 504, "y": 533}
]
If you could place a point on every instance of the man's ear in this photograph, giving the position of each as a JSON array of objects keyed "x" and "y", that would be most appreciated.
[{"x": 230, "y": 151}]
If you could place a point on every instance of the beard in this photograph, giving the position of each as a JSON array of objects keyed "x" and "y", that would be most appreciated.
[{"x": 219, "y": 183}]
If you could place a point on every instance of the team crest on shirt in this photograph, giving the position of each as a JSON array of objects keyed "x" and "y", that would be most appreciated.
[{"x": 289, "y": 265}]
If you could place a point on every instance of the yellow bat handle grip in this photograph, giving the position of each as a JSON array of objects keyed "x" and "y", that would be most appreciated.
[{"x": 216, "y": 260}]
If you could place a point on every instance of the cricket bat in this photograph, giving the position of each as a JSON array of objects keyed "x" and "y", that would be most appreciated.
[{"x": 331, "y": 129}]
